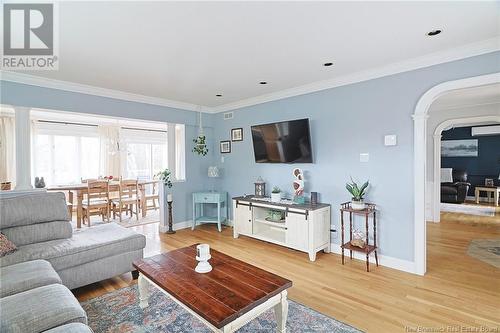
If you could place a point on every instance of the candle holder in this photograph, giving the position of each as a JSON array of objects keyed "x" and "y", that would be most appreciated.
[
  {"x": 170, "y": 219},
  {"x": 203, "y": 255}
]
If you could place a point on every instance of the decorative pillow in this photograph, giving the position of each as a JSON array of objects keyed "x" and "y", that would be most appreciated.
[{"x": 6, "y": 246}]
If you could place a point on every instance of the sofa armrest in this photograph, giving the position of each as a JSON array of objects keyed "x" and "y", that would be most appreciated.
[{"x": 462, "y": 190}]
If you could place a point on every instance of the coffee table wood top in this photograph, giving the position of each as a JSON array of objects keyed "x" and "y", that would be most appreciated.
[{"x": 231, "y": 289}]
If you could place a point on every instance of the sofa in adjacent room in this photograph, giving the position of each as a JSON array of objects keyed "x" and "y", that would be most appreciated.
[{"x": 456, "y": 190}]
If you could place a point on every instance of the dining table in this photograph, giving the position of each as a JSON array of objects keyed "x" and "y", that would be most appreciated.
[{"x": 82, "y": 188}]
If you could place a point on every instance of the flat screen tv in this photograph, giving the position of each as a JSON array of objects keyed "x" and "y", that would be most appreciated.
[{"x": 283, "y": 142}]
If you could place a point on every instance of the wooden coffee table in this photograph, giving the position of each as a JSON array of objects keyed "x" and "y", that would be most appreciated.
[{"x": 225, "y": 299}]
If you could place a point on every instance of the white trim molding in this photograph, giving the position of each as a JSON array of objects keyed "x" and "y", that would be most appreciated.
[
  {"x": 462, "y": 52},
  {"x": 391, "y": 262},
  {"x": 420, "y": 156},
  {"x": 436, "y": 189}
]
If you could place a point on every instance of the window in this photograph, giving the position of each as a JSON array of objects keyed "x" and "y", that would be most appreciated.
[
  {"x": 145, "y": 153},
  {"x": 64, "y": 154}
]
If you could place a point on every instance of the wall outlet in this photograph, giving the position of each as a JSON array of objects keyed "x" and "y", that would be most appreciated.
[
  {"x": 222, "y": 159},
  {"x": 390, "y": 140},
  {"x": 334, "y": 233},
  {"x": 364, "y": 157}
]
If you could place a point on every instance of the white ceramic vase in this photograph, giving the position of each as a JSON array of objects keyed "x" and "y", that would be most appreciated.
[{"x": 358, "y": 205}]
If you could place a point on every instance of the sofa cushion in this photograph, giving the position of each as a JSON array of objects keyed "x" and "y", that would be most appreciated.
[
  {"x": 40, "y": 309},
  {"x": 71, "y": 328},
  {"x": 40, "y": 232},
  {"x": 33, "y": 208},
  {"x": 6, "y": 245},
  {"x": 85, "y": 246},
  {"x": 25, "y": 276}
]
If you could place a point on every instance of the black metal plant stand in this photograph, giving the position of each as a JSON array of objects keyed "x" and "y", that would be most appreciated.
[{"x": 170, "y": 218}]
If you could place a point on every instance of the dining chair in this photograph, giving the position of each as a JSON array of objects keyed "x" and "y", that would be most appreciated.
[
  {"x": 127, "y": 199},
  {"x": 152, "y": 197},
  {"x": 97, "y": 201}
]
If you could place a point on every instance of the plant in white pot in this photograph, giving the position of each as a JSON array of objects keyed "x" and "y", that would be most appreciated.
[
  {"x": 357, "y": 194},
  {"x": 276, "y": 194}
]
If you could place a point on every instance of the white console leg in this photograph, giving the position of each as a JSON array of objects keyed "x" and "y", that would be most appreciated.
[
  {"x": 143, "y": 291},
  {"x": 312, "y": 256},
  {"x": 327, "y": 249},
  {"x": 281, "y": 312}
]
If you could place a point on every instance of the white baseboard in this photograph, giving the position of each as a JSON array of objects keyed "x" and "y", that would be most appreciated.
[
  {"x": 187, "y": 224},
  {"x": 391, "y": 262}
]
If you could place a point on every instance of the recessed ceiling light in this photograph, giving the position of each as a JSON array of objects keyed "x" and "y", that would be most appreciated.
[
  {"x": 262, "y": 82},
  {"x": 434, "y": 32},
  {"x": 328, "y": 64},
  {"x": 219, "y": 95}
]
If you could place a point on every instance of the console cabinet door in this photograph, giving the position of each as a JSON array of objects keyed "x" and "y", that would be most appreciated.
[
  {"x": 297, "y": 231},
  {"x": 243, "y": 217}
]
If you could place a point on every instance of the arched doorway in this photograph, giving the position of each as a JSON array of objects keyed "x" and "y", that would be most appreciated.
[{"x": 420, "y": 154}]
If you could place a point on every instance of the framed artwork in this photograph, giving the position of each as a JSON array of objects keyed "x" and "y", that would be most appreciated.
[
  {"x": 237, "y": 134},
  {"x": 459, "y": 148},
  {"x": 489, "y": 182},
  {"x": 225, "y": 147}
]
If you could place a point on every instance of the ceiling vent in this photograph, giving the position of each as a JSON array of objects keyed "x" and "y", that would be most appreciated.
[
  {"x": 486, "y": 130},
  {"x": 228, "y": 115}
]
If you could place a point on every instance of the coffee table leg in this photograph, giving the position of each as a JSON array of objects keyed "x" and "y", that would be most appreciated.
[
  {"x": 281, "y": 312},
  {"x": 143, "y": 291}
]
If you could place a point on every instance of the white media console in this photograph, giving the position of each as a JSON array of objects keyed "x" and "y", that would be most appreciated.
[{"x": 305, "y": 227}]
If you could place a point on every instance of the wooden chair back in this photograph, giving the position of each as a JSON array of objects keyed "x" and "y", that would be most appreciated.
[
  {"x": 97, "y": 189},
  {"x": 129, "y": 188}
]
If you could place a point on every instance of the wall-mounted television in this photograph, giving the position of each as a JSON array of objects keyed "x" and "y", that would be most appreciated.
[{"x": 283, "y": 142}]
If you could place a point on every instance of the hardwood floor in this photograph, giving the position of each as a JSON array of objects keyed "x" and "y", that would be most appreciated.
[{"x": 457, "y": 289}]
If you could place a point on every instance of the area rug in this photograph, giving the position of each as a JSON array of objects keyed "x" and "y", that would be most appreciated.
[
  {"x": 487, "y": 250},
  {"x": 468, "y": 209},
  {"x": 152, "y": 216},
  {"x": 119, "y": 311}
]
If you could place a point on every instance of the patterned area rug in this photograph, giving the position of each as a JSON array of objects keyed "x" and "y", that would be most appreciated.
[
  {"x": 468, "y": 209},
  {"x": 119, "y": 311},
  {"x": 487, "y": 250}
]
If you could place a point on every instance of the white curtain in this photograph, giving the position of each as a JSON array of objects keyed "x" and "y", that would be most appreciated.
[
  {"x": 109, "y": 164},
  {"x": 7, "y": 150}
]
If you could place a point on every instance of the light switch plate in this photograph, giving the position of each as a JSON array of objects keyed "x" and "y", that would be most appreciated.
[
  {"x": 390, "y": 140},
  {"x": 222, "y": 159},
  {"x": 364, "y": 157}
]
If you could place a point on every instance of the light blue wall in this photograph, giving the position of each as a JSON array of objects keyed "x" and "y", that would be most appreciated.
[
  {"x": 196, "y": 167},
  {"x": 345, "y": 122}
]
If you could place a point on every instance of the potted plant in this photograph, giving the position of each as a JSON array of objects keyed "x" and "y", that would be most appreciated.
[
  {"x": 166, "y": 177},
  {"x": 276, "y": 194},
  {"x": 357, "y": 194}
]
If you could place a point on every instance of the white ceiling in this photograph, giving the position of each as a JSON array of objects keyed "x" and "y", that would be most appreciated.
[
  {"x": 489, "y": 94},
  {"x": 188, "y": 52}
]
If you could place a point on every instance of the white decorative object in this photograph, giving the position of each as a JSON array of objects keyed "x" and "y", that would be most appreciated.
[
  {"x": 213, "y": 172},
  {"x": 203, "y": 255},
  {"x": 169, "y": 197},
  {"x": 275, "y": 197},
  {"x": 358, "y": 205}
]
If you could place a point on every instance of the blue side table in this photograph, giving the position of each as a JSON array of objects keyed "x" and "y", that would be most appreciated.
[{"x": 202, "y": 198}]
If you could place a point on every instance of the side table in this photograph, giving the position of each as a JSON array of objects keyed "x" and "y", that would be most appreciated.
[
  {"x": 202, "y": 198},
  {"x": 370, "y": 210}
]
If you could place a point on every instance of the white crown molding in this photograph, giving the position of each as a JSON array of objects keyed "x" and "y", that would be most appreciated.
[
  {"x": 96, "y": 91},
  {"x": 465, "y": 51}
]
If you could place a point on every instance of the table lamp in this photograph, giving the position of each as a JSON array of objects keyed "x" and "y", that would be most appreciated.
[{"x": 213, "y": 172}]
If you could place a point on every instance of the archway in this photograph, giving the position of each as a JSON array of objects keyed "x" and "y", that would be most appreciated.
[{"x": 420, "y": 152}]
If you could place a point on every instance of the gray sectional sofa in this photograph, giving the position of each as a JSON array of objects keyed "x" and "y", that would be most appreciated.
[{"x": 52, "y": 258}]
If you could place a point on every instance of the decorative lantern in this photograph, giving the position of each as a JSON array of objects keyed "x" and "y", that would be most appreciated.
[{"x": 260, "y": 187}]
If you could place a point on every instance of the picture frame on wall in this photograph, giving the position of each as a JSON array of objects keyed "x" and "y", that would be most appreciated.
[
  {"x": 459, "y": 148},
  {"x": 237, "y": 134},
  {"x": 225, "y": 147},
  {"x": 489, "y": 182}
]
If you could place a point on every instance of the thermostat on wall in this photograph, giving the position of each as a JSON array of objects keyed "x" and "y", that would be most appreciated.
[{"x": 390, "y": 140}]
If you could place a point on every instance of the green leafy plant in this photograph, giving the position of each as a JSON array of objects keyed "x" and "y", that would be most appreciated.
[
  {"x": 200, "y": 145},
  {"x": 276, "y": 189},
  {"x": 166, "y": 177},
  {"x": 357, "y": 192}
]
